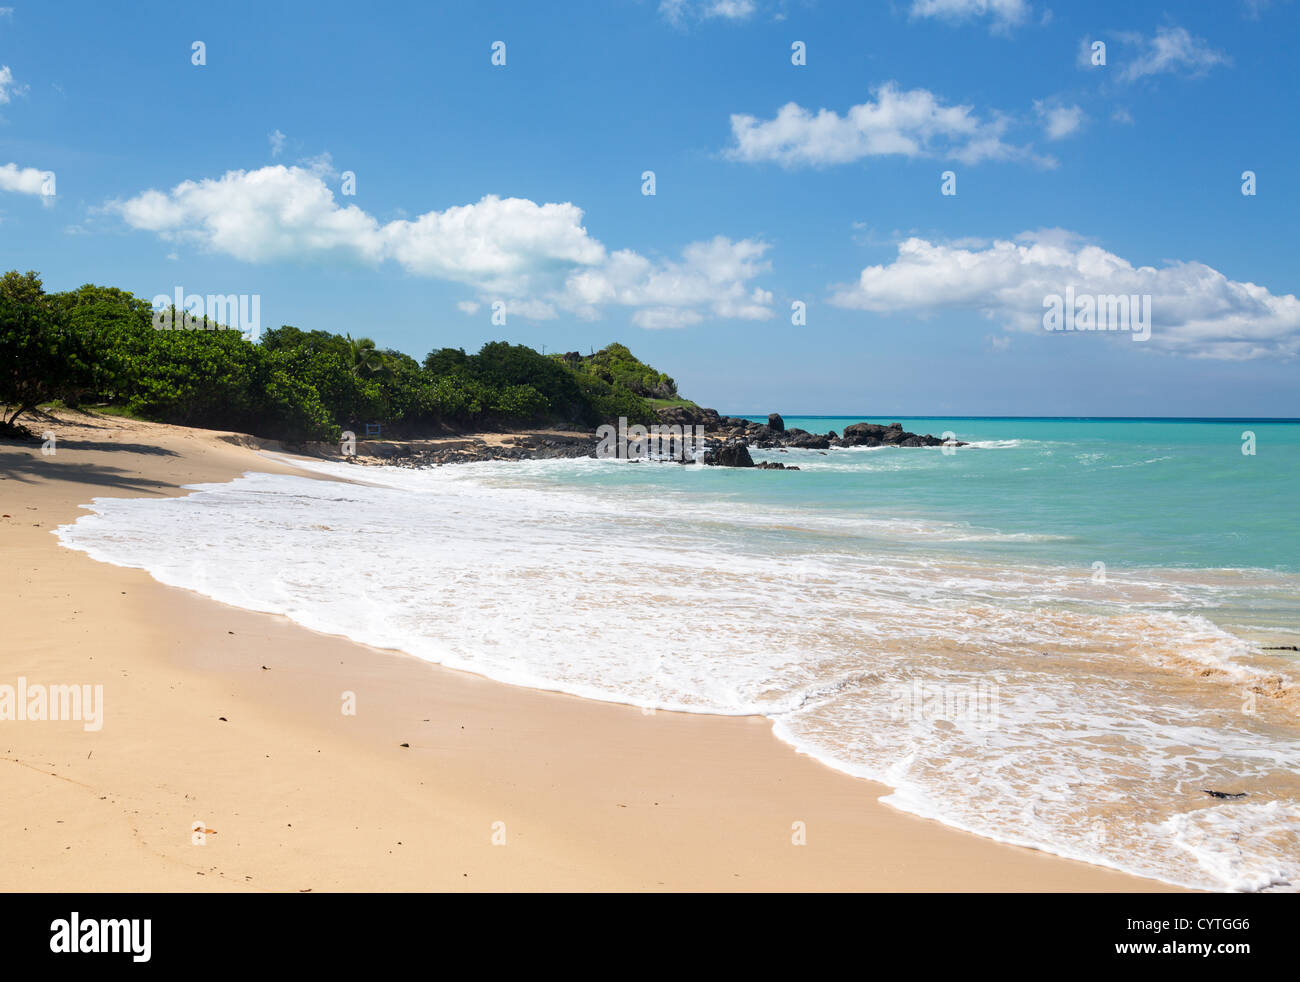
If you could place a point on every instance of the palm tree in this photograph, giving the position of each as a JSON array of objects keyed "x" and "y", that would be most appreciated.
[{"x": 365, "y": 357}]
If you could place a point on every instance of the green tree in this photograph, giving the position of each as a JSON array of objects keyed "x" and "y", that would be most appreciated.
[
  {"x": 365, "y": 357},
  {"x": 35, "y": 349}
]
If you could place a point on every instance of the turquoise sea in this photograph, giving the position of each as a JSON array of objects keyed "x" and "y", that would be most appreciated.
[{"x": 1064, "y": 635}]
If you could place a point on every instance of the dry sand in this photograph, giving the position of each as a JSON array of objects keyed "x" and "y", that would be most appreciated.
[{"x": 299, "y": 796}]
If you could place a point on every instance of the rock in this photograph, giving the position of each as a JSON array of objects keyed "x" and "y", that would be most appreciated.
[
  {"x": 893, "y": 435},
  {"x": 775, "y": 423},
  {"x": 862, "y": 435},
  {"x": 768, "y": 465},
  {"x": 1224, "y": 794},
  {"x": 729, "y": 455},
  {"x": 810, "y": 441},
  {"x": 689, "y": 416}
]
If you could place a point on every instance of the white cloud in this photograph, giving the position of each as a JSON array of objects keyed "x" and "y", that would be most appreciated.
[
  {"x": 1172, "y": 50},
  {"x": 678, "y": 12},
  {"x": 914, "y": 123},
  {"x": 713, "y": 276},
  {"x": 24, "y": 180},
  {"x": 1058, "y": 121},
  {"x": 266, "y": 215},
  {"x": 8, "y": 87},
  {"x": 1195, "y": 309},
  {"x": 506, "y": 245},
  {"x": 538, "y": 258},
  {"x": 322, "y": 165},
  {"x": 1003, "y": 14},
  {"x": 468, "y": 306},
  {"x": 277, "y": 142},
  {"x": 1122, "y": 115}
]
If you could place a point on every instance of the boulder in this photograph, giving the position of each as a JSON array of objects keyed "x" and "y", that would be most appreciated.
[
  {"x": 688, "y": 416},
  {"x": 775, "y": 423},
  {"x": 729, "y": 455},
  {"x": 809, "y": 441}
]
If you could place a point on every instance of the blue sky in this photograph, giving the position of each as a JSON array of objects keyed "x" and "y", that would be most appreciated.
[{"x": 774, "y": 183}]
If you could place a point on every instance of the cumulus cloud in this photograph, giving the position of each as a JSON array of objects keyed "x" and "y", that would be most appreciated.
[
  {"x": 265, "y": 215},
  {"x": 538, "y": 258},
  {"x": 1172, "y": 50},
  {"x": 1195, "y": 309},
  {"x": 1059, "y": 121},
  {"x": 713, "y": 276},
  {"x": 1003, "y": 14},
  {"x": 913, "y": 123},
  {"x": 23, "y": 180}
]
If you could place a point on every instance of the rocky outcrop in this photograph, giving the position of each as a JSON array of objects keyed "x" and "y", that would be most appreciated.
[
  {"x": 774, "y": 434},
  {"x": 893, "y": 435},
  {"x": 690, "y": 416},
  {"x": 803, "y": 440},
  {"x": 729, "y": 455}
]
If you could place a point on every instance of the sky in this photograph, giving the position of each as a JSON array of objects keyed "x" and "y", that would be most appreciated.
[{"x": 420, "y": 172}]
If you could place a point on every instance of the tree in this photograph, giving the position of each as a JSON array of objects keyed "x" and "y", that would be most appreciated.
[
  {"x": 33, "y": 349},
  {"x": 366, "y": 358}
]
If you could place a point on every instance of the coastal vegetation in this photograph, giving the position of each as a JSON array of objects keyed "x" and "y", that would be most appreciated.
[{"x": 98, "y": 346}]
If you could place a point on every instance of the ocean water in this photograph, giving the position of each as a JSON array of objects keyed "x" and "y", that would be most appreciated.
[{"x": 1055, "y": 637}]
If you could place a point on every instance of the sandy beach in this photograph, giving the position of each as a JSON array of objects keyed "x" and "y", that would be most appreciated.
[{"x": 441, "y": 780}]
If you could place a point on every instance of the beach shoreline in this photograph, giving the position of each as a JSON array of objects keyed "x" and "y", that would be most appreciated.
[{"x": 231, "y": 719}]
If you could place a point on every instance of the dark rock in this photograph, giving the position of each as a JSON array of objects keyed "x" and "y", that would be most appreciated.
[
  {"x": 729, "y": 455},
  {"x": 775, "y": 423},
  {"x": 768, "y": 465},
  {"x": 1224, "y": 794},
  {"x": 893, "y": 435},
  {"x": 689, "y": 416},
  {"x": 862, "y": 434}
]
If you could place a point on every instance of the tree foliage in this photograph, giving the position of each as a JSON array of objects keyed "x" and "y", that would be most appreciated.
[{"x": 99, "y": 345}]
